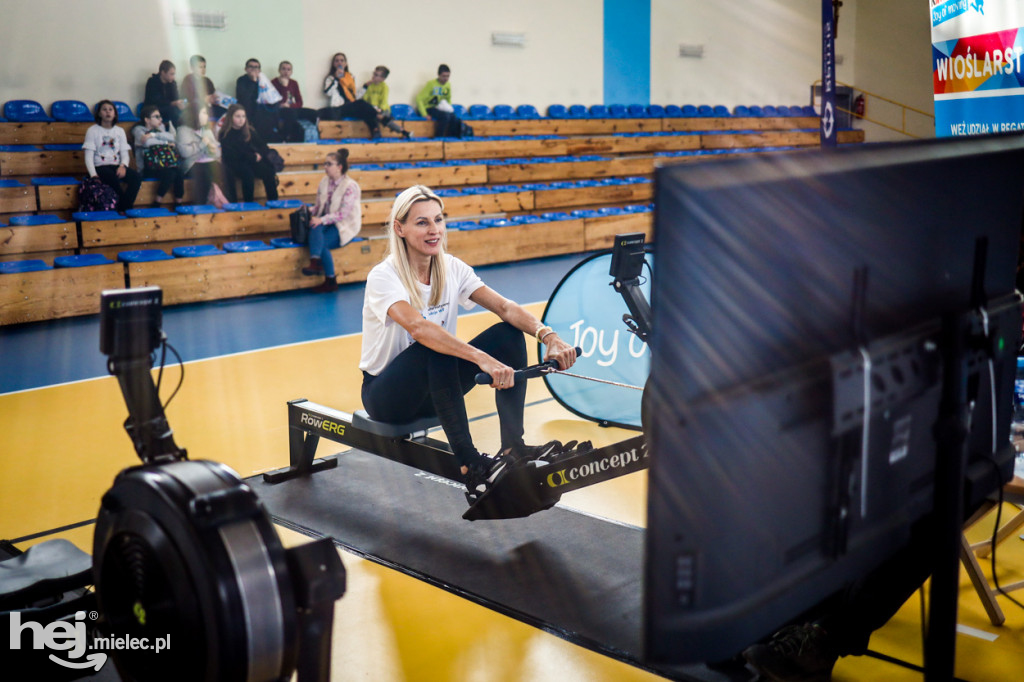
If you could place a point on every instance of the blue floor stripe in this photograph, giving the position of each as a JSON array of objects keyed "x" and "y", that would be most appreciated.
[{"x": 59, "y": 351}]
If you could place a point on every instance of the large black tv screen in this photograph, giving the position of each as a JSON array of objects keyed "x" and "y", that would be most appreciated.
[{"x": 797, "y": 371}]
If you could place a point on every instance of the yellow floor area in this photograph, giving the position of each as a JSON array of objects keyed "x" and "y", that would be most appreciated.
[{"x": 63, "y": 445}]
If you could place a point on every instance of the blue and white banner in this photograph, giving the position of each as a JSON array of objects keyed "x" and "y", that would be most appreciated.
[
  {"x": 977, "y": 50},
  {"x": 587, "y": 312}
]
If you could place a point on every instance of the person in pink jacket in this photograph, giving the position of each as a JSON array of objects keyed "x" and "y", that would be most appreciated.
[{"x": 336, "y": 219}]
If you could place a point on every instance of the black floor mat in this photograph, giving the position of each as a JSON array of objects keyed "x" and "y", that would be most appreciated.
[{"x": 565, "y": 572}]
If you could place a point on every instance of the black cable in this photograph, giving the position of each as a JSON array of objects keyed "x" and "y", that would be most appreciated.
[
  {"x": 181, "y": 377},
  {"x": 993, "y": 540}
]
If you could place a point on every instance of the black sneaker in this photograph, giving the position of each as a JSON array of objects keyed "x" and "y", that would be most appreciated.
[
  {"x": 527, "y": 453},
  {"x": 798, "y": 653},
  {"x": 483, "y": 472}
]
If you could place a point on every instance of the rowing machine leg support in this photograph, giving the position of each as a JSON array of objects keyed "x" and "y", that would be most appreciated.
[{"x": 301, "y": 451}]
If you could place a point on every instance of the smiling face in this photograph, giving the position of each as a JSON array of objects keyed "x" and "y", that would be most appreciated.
[{"x": 423, "y": 229}]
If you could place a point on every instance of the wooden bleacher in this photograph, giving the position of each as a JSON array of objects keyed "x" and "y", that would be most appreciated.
[{"x": 627, "y": 148}]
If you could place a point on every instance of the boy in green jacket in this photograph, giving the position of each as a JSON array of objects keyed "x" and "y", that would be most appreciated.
[
  {"x": 435, "y": 102},
  {"x": 376, "y": 93}
]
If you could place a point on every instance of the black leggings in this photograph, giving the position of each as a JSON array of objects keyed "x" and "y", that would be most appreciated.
[
  {"x": 247, "y": 174},
  {"x": 359, "y": 109},
  {"x": 167, "y": 178},
  {"x": 421, "y": 382},
  {"x": 132, "y": 181}
]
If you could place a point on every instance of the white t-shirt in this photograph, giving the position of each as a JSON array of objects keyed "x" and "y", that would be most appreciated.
[
  {"x": 383, "y": 338},
  {"x": 109, "y": 146}
]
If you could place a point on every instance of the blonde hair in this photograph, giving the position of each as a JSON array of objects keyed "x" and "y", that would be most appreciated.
[{"x": 398, "y": 250}]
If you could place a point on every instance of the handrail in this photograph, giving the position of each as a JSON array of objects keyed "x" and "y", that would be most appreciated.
[{"x": 903, "y": 107}]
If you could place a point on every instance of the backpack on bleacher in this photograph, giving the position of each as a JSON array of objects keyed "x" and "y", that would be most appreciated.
[{"x": 94, "y": 195}]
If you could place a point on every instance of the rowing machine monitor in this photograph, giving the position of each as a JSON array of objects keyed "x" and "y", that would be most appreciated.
[
  {"x": 185, "y": 554},
  {"x": 627, "y": 256}
]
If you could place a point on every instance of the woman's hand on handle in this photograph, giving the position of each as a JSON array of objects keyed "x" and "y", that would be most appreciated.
[
  {"x": 559, "y": 350},
  {"x": 502, "y": 376}
]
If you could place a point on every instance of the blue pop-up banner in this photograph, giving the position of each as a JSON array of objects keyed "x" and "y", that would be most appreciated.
[{"x": 587, "y": 312}]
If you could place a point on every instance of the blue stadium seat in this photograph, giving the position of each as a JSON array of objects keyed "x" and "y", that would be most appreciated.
[
  {"x": 197, "y": 251},
  {"x": 54, "y": 180},
  {"x": 479, "y": 111},
  {"x": 782, "y": 110},
  {"x": 246, "y": 246},
  {"x": 10, "y": 182},
  {"x": 598, "y": 111},
  {"x": 689, "y": 110},
  {"x": 656, "y": 111},
  {"x": 705, "y": 110},
  {"x": 403, "y": 112},
  {"x": 808, "y": 110},
  {"x": 143, "y": 256},
  {"x": 285, "y": 203},
  {"x": 527, "y": 111},
  {"x": 637, "y": 111},
  {"x": 462, "y": 225},
  {"x": 721, "y": 110},
  {"x": 577, "y": 111},
  {"x": 198, "y": 209},
  {"x": 617, "y": 110},
  {"x": 673, "y": 110},
  {"x": 149, "y": 212},
  {"x": 42, "y": 219},
  {"x": 82, "y": 261},
  {"x": 459, "y": 110},
  {"x": 502, "y": 111},
  {"x": 244, "y": 206},
  {"x": 756, "y": 111},
  {"x": 95, "y": 216},
  {"x": 741, "y": 110},
  {"x": 71, "y": 110},
  {"x": 769, "y": 110},
  {"x": 556, "y": 215},
  {"x": 284, "y": 243},
  {"x": 25, "y": 111},
  {"x": 496, "y": 222},
  {"x": 14, "y": 267},
  {"x": 558, "y": 111},
  {"x": 124, "y": 112}
]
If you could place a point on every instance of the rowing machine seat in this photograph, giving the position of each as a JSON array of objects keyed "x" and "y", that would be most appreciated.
[
  {"x": 361, "y": 420},
  {"x": 44, "y": 570}
]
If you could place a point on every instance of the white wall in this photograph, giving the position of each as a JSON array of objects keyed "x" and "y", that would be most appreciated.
[
  {"x": 895, "y": 61},
  {"x": 95, "y": 49},
  {"x": 755, "y": 52}
]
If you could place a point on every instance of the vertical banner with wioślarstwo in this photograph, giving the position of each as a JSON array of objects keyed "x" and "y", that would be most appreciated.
[{"x": 977, "y": 62}]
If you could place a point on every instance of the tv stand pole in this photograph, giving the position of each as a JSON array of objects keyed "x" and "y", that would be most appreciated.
[{"x": 951, "y": 433}]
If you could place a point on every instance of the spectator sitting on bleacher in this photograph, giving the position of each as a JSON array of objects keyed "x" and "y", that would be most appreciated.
[
  {"x": 245, "y": 156},
  {"x": 260, "y": 100},
  {"x": 162, "y": 90},
  {"x": 336, "y": 219},
  {"x": 107, "y": 155},
  {"x": 196, "y": 87},
  {"x": 155, "y": 154},
  {"x": 291, "y": 110},
  {"x": 340, "y": 88},
  {"x": 435, "y": 102},
  {"x": 199, "y": 153},
  {"x": 376, "y": 93}
]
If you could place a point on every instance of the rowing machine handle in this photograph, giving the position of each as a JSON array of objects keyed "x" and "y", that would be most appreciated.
[{"x": 531, "y": 372}]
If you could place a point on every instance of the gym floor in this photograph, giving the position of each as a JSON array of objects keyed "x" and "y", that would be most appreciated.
[{"x": 63, "y": 442}]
